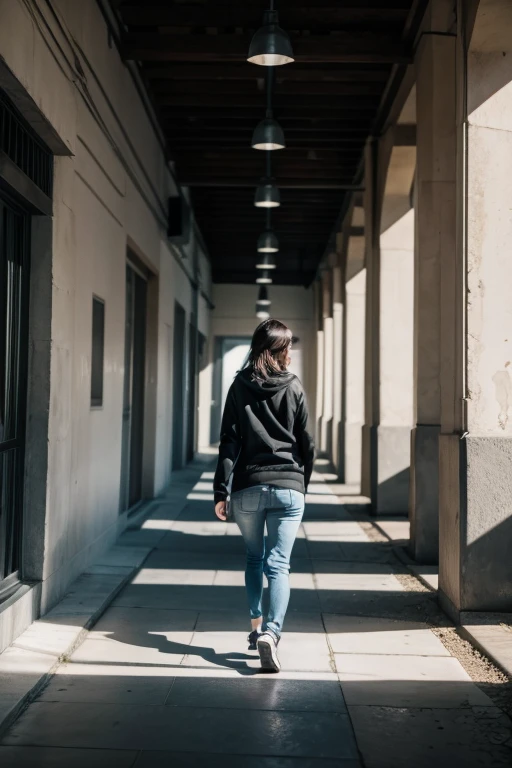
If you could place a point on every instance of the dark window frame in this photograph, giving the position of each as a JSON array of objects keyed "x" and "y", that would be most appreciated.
[{"x": 97, "y": 354}]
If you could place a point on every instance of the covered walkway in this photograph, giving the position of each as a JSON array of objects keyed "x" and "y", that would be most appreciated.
[{"x": 165, "y": 678}]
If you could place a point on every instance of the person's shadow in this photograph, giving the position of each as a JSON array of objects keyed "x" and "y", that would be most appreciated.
[{"x": 231, "y": 660}]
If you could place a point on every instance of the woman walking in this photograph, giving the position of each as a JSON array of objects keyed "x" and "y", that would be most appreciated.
[{"x": 267, "y": 454}]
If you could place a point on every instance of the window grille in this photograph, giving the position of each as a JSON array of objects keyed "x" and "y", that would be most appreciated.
[{"x": 22, "y": 145}]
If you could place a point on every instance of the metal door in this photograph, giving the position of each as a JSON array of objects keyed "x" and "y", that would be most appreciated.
[
  {"x": 134, "y": 390},
  {"x": 14, "y": 296}
]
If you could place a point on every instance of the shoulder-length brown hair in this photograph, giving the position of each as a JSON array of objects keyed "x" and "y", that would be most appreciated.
[{"x": 269, "y": 346}]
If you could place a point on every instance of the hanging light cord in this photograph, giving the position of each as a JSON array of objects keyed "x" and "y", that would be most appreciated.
[{"x": 270, "y": 86}]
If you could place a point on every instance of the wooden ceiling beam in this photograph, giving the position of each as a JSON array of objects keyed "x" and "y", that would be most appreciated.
[
  {"x": 350, "y": 47},
  {"x": 296, "y": 73},
  {"x": 308, "y": 102},
  {"x": 256, "y": 87},
  {"x": 254, "y": 112},
  {"x": 243, "y": 15},
  {"x": 198, "y": 180}
]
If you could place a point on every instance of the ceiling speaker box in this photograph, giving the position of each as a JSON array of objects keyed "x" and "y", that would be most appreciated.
[{"x": 178, "y": 221}]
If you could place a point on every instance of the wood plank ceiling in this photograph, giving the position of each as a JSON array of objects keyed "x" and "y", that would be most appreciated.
[{"x": 192, "y": 55}]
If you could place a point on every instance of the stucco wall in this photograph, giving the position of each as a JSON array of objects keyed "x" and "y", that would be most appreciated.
[{"x": 111, "y": 191}]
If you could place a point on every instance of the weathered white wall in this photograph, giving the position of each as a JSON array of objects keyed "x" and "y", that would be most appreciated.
[
  {"x": 234, "y": 315},
  {"x": 112, "y": 190}
]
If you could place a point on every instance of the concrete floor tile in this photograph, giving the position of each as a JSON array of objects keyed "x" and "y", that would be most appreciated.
[
  {"x": 167, "y": 576},
  {"x": 268, "y": 693},
  {"x": 367, "y": 552},
  {"x": 181, "y": 596},
  {"x": 162, "y": 648},
  {"x": 124, "y": 622},
  {"x": 200, "y": 760},
  {"x": 50, "y": 757},
  {"x": 406, "y": 681},
  {"x": 221, "y": 649},
  {"x": 494, "y": 639},
  {"x": 235, "y": 621},
  {"x": 297, "y": 651},
  {"x": 359, "y": 634},
  {"x": 161, "y": 558},
  {"x": 338, "y": 528},
  {"x": 370, "y": 602},
  {"x": 117, "y": 555},
  {"x": 477, "y": 737},
  {"x": 107, "y": 685},
  {"x": 175, "y": 541},
  {"x": 352, "y": 582},
  {"x": 323, "y": 548},
  {"x": 106, "y": 726}
]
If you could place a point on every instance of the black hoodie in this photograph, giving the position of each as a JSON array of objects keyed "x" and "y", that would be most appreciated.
[{"x": 264, "y": 435}]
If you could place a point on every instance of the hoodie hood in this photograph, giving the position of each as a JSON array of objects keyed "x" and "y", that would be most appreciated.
[{"x": 265, "y": 387}]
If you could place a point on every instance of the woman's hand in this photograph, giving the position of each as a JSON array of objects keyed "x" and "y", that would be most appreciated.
[{"x": 220, "y": 510}]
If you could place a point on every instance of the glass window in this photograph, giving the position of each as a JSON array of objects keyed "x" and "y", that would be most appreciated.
[{"x": 98, "y": 349}]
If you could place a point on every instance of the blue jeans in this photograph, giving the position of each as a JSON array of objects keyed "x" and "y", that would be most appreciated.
[{"x": 281, "y": 509}]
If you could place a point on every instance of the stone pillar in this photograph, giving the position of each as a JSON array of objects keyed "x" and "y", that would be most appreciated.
[
  {"x": 328, "y": 341},
  {"x": 319, "y": 364},
  {"x": 388, "y": 364},
  {"x": 434, "y": 252},
  {"x": 337, "y": 383},
  {"x": 354, "y": 324},
  {"x": 475, "y": 479}
]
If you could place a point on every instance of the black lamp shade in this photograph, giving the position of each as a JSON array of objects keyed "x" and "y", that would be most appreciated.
[
  {"x": 262, "y": 311},
  {"x": 263, "y": 298},
  {"x": 264, "y": 277},
  {"x": 268, "y": 242},
  {"x": 266, "y": 261},
  {"x": 270, "y": 45},
  {"x": 267, "y": 194},
  {"x": 268, "y": 135}
]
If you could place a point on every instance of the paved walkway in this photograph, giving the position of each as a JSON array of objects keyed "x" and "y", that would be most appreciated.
[{"x": 165, "y": 678}]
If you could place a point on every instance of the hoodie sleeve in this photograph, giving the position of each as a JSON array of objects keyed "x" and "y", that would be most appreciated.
[
  {"x": 304, "y": 439},
  {"x": 229, "y": 447}
]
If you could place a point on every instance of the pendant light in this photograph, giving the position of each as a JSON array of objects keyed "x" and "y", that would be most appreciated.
[
  {"x": 266, "y": 261},
  {"x": 267, "y": 194},
  {"x": 268, "y": 134},
  {"x": 263, "y": 298},
  {"x": 261, "y": 313},
  {"x": 268, "y": 242},
  {"x": 270, "y": 45},
  {"x": 264, "y": 277}
]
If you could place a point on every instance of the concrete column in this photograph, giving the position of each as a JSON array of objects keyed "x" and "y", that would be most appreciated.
[
  {"x": 354, "y": 323},
  {"x": 337, "y": 384},
  {"x": 476, "y": 384},
  {"x": 319, "y": 363},
  {"x": 389, "y": 314},
  {"x": 328, "y": 341},
  {"x": 435, "y": 247}
]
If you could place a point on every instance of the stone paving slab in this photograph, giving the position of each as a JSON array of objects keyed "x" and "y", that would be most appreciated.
[
  {"x": 75, "y": 683},
  {"x": 56, "y": 757},
  {"x": 302, "y": 652},
  {"x": 396, "y": 737},
  {"x": 107, "y": 726},
  {"x": 268, "y": 693},
  {"x": 494, "y": 639},
  {"x": 200, "y": 760},
  {"x": 407, "y": 681},
  {"x": 360, "y": 634}
]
